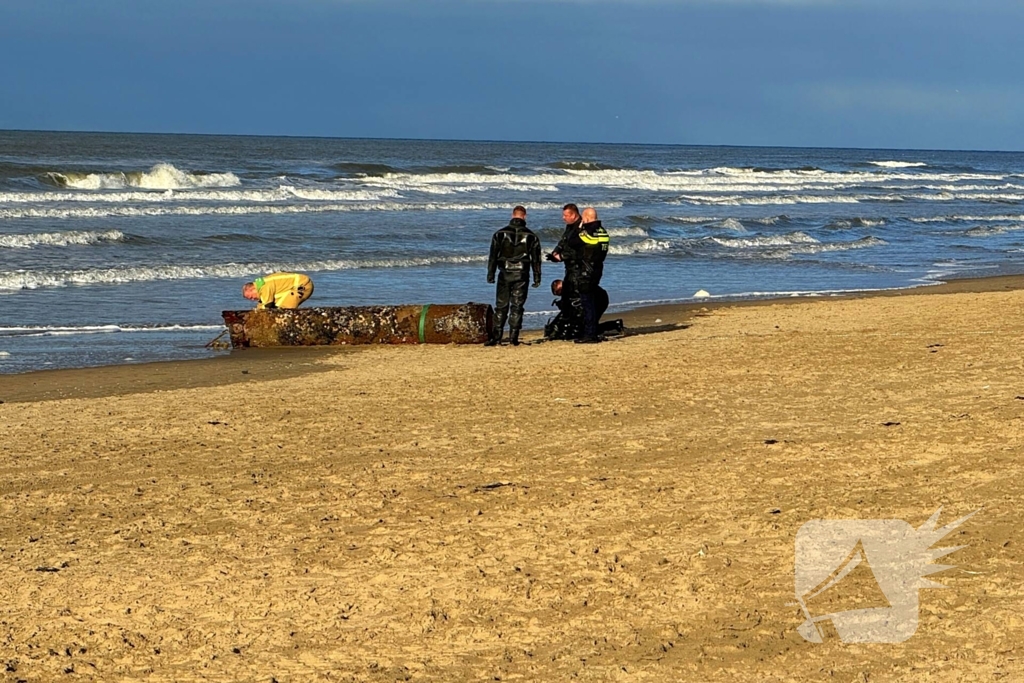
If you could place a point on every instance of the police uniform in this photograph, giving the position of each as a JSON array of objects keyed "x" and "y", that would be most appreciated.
[
  {"x": 515, "y": 251},
  {"x": 589, "y": 245}
]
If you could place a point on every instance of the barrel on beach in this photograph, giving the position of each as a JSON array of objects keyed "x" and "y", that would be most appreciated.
[{"x": 414, "y": 324}]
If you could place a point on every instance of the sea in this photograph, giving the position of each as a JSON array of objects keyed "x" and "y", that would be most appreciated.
[{"x": 125, "y": 248}]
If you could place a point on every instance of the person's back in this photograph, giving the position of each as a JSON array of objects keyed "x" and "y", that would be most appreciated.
[
  {"x": 515, "y": 251},
  {"x": 279, "y": 290}
]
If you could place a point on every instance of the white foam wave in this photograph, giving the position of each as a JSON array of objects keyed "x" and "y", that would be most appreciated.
[
  {"x": 729, "y": 224},
  {"x": 63, "y": 331},
  {"x": 824, "y": 247},
  {"x": 282, "y": 193},
  {"x": 719, "y": 180},
  {"x": 245, "y": 210},
  {"x": 626, "y": 232},
  {"x": 776, "y": 200},
  {"x": 35, "y": 279},
  {"x": 765, "y": 241},
  {"x": 898, "y": 164},
  {"x": 988, "y": 231},
  {"x": 160, "y": 177},
  {"x": 647, "y": 246},
  {"x": 965, "y": 219},
  {"x": 59, "y": 239}
]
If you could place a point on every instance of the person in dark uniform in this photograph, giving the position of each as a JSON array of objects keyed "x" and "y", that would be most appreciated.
[
  {"x": 589, "y": 246},
  {"x": 568, "y": 324},
  {"x": 515, "y": 251},
  {"x": 561, "y": 253}
]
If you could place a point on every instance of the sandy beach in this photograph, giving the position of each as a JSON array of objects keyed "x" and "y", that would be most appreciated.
[{"x": 624, "y": 512}]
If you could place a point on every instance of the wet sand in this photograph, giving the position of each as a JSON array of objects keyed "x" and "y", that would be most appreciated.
[{"x": 626, "y": 511}]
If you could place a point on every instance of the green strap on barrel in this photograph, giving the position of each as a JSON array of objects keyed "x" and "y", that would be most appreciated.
[{"x": 423, "y": 324}]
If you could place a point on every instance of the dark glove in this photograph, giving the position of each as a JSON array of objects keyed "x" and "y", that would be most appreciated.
[
  {"x": 536, "y": 283},
  {"x": 550, "y": 257},
  {"x": 490, "y": 280}
]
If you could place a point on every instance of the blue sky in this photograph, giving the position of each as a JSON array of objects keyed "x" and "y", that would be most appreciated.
[{"x": 860, "y": 73}]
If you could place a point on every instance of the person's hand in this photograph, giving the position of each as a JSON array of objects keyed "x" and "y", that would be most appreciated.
[
  {"x": 555, "y": 256},
  {"x": 490, "y": 280},
  {"x": 536, "y": 283}
]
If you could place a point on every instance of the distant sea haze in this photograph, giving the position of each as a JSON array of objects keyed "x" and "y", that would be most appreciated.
[{"x": 125, "y": 248}]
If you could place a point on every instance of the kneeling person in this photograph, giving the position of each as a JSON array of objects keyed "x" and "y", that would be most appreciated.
[{"x": 279, "y": 290}]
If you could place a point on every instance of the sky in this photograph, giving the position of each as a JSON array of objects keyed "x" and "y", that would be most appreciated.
[{"x": 907, "y": 74}]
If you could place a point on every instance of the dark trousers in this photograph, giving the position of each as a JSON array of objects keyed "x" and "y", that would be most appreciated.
[
  {"x": 588, "y": 297},
  {"x": 510, "y": 300}
]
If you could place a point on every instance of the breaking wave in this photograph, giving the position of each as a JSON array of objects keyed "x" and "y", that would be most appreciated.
[
  {"x": 824, "y": 247},
  {"x": 59, "y": 239},
  {"x": 898, "y": 164},
  {"x": 765, "y": 241},
  {"x": 63, "y": 331},
  {"x": 848, "y": 223},
  {"x": 988, "y": 231},
  {"x": 647, "y": 246},
  {"x": 35, "y": 279},
  {"x": 160, "y": 177},
  {"x": 243, "y": 210}
]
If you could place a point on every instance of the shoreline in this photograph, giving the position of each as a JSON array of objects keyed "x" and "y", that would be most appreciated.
[{"x": 254, "y": 365}]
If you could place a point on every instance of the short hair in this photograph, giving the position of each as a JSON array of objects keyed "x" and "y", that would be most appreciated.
[
  {"x": 555, "y": 284},
  {"x": 519, "y": 211},
  {"x": 571, "y": 207}
]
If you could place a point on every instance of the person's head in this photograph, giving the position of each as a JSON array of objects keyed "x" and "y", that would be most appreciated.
[
  {"x": 519, "y": 212},
  {"x": 250, "y": 292},
  {"x": 556, "y": 288},
  {"x": 570, "y": 213},
  {"x": 589, "y": 215}
]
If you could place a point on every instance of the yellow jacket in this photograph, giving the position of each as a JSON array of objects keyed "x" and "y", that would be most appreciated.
[{"x": 283, "y": 290}]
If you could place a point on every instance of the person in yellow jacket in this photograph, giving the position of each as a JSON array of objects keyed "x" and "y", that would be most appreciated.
[{"x": 279, "y": 290}]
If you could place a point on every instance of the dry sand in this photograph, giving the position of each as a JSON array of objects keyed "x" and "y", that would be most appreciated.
[{"x": 626, "y": 511}]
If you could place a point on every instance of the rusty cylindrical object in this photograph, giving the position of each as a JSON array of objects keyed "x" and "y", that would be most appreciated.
[{"x": 417, "y": 324}]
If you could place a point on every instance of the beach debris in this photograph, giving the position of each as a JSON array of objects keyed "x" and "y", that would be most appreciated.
[
  {"x": 1019, "y": 398},
  {"x": 701, "y": 294},
  {"x": 890, "y": 424},
  {"x": 416, "y": 324},
  {"x": 494, "y": 485},
  {"x": 771, "y": 442},
  {"x": 775, "y": 511},
  {"x": 216, "y": 342},
  {"x": 657, "y": 320}
]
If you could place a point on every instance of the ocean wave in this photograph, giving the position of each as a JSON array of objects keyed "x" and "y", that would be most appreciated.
[
  {"x": 719, "y": 180},
  {"x": 281, "y": 193},
  {"x": 848, "y": 223},
  {"x": 967, "y": 218},
  {"x": 824, "y": 247},
  {"x": 581, "y": 166},
  {"x": 160, "y": 177},
  {"x": 63, "y": 331},
  {"x": 29, "y": 279},
  {"x": 989, "y": 230},
  {"x": 690, "y": 220},
  {"x": 244, "y": 210},
  {"x": 632, "y": 231},
  {"x": 789, "y": 239},
  {"x": 771, "y": 220},
  {"x": 729, "y": 224},
  {"x": 739, "y": 200},
  {"x": 647, "y": 246},
  {"x": 361, "y": 169},
  {"x": 59, "y": 239},
  {"x": 898, "y": 164}
]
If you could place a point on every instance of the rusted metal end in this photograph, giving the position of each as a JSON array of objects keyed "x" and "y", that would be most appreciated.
[{"x": 417, "y": 324}]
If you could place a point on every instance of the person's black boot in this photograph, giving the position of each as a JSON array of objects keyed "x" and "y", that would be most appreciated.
[
  {"x": 495, "y": 337},
  {"x": 514, "y": 337}
]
